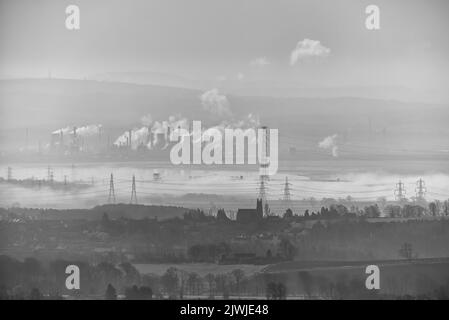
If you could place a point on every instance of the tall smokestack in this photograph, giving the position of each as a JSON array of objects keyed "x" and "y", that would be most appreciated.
[
  {"x": 129, "y": 139},
  {"x": 167, "y": 138},
  {"x": 75, "y": 142},
  {"x": 61, "y": 138},
  {"x": 149, "y": 138}
]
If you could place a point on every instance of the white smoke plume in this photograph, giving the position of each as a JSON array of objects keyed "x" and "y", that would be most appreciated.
[
  {"x": 64, "y": 131},
  {"x": 165, "y": 128},
  {"x": 216, "y": 103},
  {"x": 250, "y": 122},
  {"x": 153, "y": 133},
  {"x": 138, "y": 138},
  {"x": 89, "y": 130},
  {"x": 156, "y": 133},
  {"x": 177, "y": 121},
  {"x": 330, "y": 143},
  {"x": 146, "y": 120},
  {"x": 83, "y": 131}
]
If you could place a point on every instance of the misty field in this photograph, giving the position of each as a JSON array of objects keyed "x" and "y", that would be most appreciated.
[{"x": 230, "y": 188}]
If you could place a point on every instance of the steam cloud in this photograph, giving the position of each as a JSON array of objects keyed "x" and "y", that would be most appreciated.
[
  {"x": 215, "y": 103},
  {"x": 156, "y": 133},
  {"x": 64, "y": 131},
  {"x": 308, "y": 48},
  {"x": 89, "y": 130},
  {"x": 330, "y": 143},
  {"x": 84, "y": 131},
  {"x": 147, "y": 120},
  {"x": 153, "y": 133}
]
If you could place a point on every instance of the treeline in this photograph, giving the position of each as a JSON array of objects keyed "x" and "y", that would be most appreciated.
[
  {"x": 335, "y": 210},
  {"x": 406, "y": 210},
  {"x": 332, "y": 210},
  {"x": 29, "y": 279},
  {"x": 32, "y": 279},
  {"x": 362, "y": 240}
]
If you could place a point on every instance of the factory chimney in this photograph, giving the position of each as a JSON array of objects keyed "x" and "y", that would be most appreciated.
[
  {"x": 149, "y": 138},
  {"x": 61, "y": 138}
]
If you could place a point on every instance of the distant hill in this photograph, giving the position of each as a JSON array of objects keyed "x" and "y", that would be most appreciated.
[
  {"x": 58, "y": 102},
  {"x": 44, "y": 105},
  {"x": 149, "y": 78}
]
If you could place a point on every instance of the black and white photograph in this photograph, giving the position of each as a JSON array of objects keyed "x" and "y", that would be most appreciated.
[{"x": 226, "y": 150}]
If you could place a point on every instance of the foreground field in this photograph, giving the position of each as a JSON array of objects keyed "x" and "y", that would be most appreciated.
[{"x": 397, "y": 277}]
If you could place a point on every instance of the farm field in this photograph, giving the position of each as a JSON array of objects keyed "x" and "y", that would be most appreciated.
[{"x": 397, "y": 277}]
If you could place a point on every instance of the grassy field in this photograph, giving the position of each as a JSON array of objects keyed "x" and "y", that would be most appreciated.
[{"x": 398, "y": 277}]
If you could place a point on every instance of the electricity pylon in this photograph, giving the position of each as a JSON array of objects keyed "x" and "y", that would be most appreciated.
[
  {"x": 111, "y": 198},
  {"x": 420, "y": 190},
  {"x": 133, "y": 192},
  {"x": 399, "y": 192},
  {"x": 287, "y": 193}
]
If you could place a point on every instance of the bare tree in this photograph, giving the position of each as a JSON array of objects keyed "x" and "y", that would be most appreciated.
[
  {"x": 210, "y": 278},
  {"x": 238, "y": 275}
]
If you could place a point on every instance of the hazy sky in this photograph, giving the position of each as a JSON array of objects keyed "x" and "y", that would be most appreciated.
[{"x": 231, "y": 40}]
